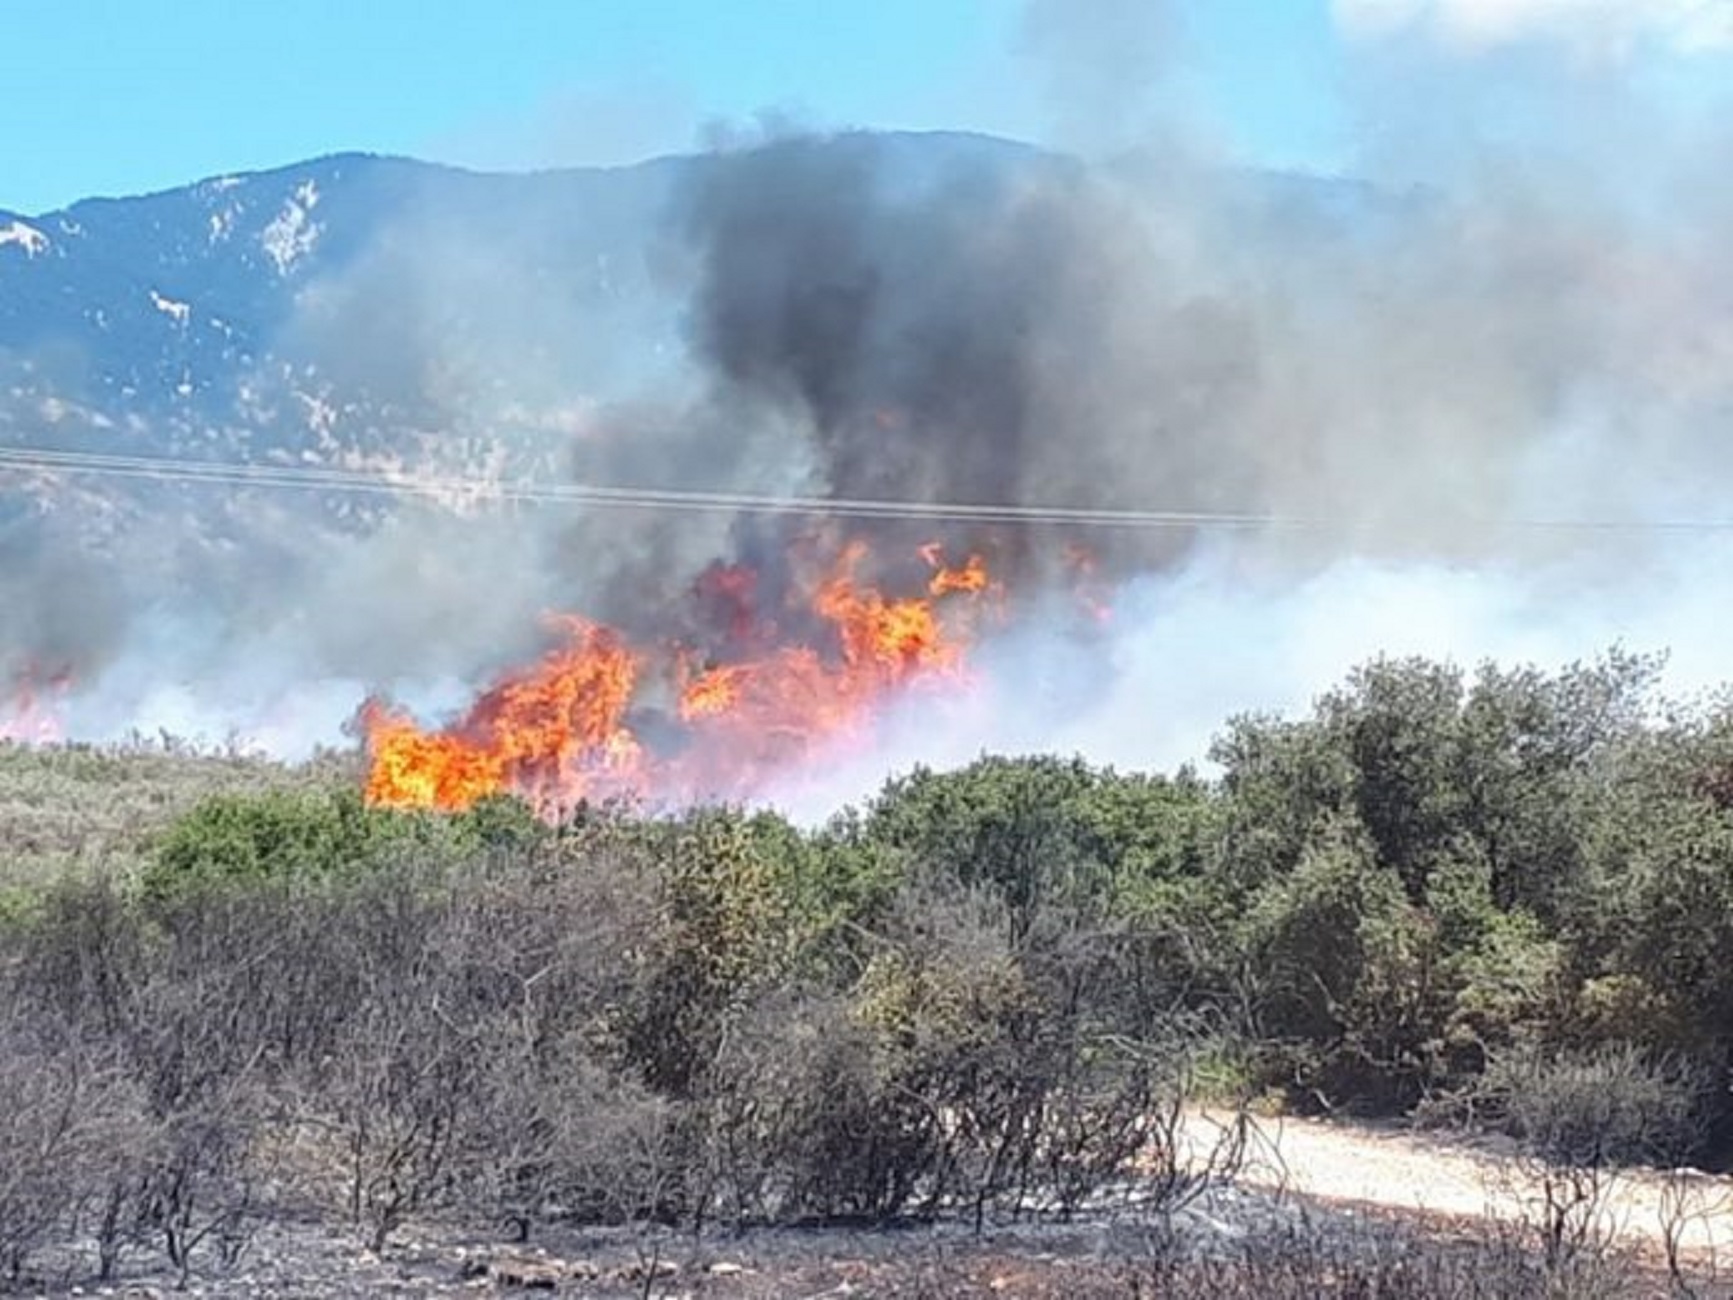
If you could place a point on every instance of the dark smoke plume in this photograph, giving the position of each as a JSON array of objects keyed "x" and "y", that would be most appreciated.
[{"x": 938, "y": 320}]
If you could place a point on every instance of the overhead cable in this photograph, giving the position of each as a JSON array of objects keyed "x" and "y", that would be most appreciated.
[{"x": 319, "y": 478}]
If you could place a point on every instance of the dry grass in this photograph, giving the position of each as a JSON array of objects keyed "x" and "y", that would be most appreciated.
[{"x": 65, "y": 806}]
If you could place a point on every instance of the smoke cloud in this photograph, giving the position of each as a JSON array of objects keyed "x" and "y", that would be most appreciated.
[
  {"x": 47, "y": 634},
  {"x": 1598, "y": 27},
  {"x": 1476, "y": 417}
]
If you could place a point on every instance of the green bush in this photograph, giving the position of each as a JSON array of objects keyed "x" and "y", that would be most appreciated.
[
  {"x": 1042, "y": 831},
  {"x": 239, "y": 839}
]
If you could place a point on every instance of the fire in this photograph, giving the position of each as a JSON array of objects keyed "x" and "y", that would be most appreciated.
[
  {"x": 892, "y": 634},
  {"x": 573, "y": 725},
  {"x": 553, "y": 728},
  {"x": 29, "y": 712},
  {"x": 1087, "y": 587},
  {"x": 971, "y": 577}
]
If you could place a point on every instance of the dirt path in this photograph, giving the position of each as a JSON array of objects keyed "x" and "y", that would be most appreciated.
[{"x": 1405, "y": 1170}]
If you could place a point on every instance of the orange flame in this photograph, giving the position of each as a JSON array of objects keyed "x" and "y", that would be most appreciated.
[
  {"x": 971, "y": 577},
  {"x": 1088, "y": 589},
  {"x": 550, "y": 733},
  {"x": 562, "y": 730},
  {"x": 29, "y": 706}
]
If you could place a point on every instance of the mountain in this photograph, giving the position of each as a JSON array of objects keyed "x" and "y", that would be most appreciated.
[
  {"x": 355, "y": 307},
  {"x": 402, "y": 318},
  {"x": 347, "y": 305},
  {"x": 229, "y": 316}
]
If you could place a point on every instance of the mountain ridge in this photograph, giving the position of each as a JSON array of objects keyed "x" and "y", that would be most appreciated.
[{"x": 373, "y": 311}]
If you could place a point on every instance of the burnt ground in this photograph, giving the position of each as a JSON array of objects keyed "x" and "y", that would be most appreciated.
[
  {"x": 1122, "y": 1252},
  {"x": 1101, "y": 1253},
  {"x": 1333, "y": 1197}
]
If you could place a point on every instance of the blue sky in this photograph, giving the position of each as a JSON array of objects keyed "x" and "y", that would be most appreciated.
[{"x": 122, "y": 96}]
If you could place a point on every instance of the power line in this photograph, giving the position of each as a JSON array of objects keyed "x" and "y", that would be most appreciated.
[
  {"x": 326, "y": 479},
  {"x": 166, "y": 469}
]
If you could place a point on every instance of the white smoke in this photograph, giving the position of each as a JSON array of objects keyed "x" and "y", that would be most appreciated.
[
  {"x": 1231, "y": 633},
  {"x": 1595, "y": 27}
]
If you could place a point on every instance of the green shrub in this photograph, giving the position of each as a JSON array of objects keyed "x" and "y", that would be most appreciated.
[
  {"x": 237, "y": 839},
  {"x": 502, "y": 822}
]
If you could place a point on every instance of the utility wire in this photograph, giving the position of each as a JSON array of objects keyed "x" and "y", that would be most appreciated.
[
  {"x": 325, "y": 479},
  {"x": 167, "y": 469}
]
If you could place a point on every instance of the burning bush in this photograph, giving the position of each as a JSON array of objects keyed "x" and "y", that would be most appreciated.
[{"x": 763, "y": 693}]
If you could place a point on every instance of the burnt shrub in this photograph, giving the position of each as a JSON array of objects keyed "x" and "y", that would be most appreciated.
[
  {"x": 1603, "y": 1106},
  {"x": 72, "y": 1122}
]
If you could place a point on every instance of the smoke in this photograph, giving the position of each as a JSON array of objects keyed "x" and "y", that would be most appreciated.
[
  {"x": 47, "y": 634},
  {"x": 1406, "y": 374},
  {"x": 1599, "y": 28},
  {"x": 1104, "y": 70},
  {"x": 1475, "y": 417},
  {"x": 1481, "y": 416}
]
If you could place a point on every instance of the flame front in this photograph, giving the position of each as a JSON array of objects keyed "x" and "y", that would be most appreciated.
[
  {"x": 551, "y": 729},
  {"x": 567, "y": 728},
  {"x": 29, "y": 705}
]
